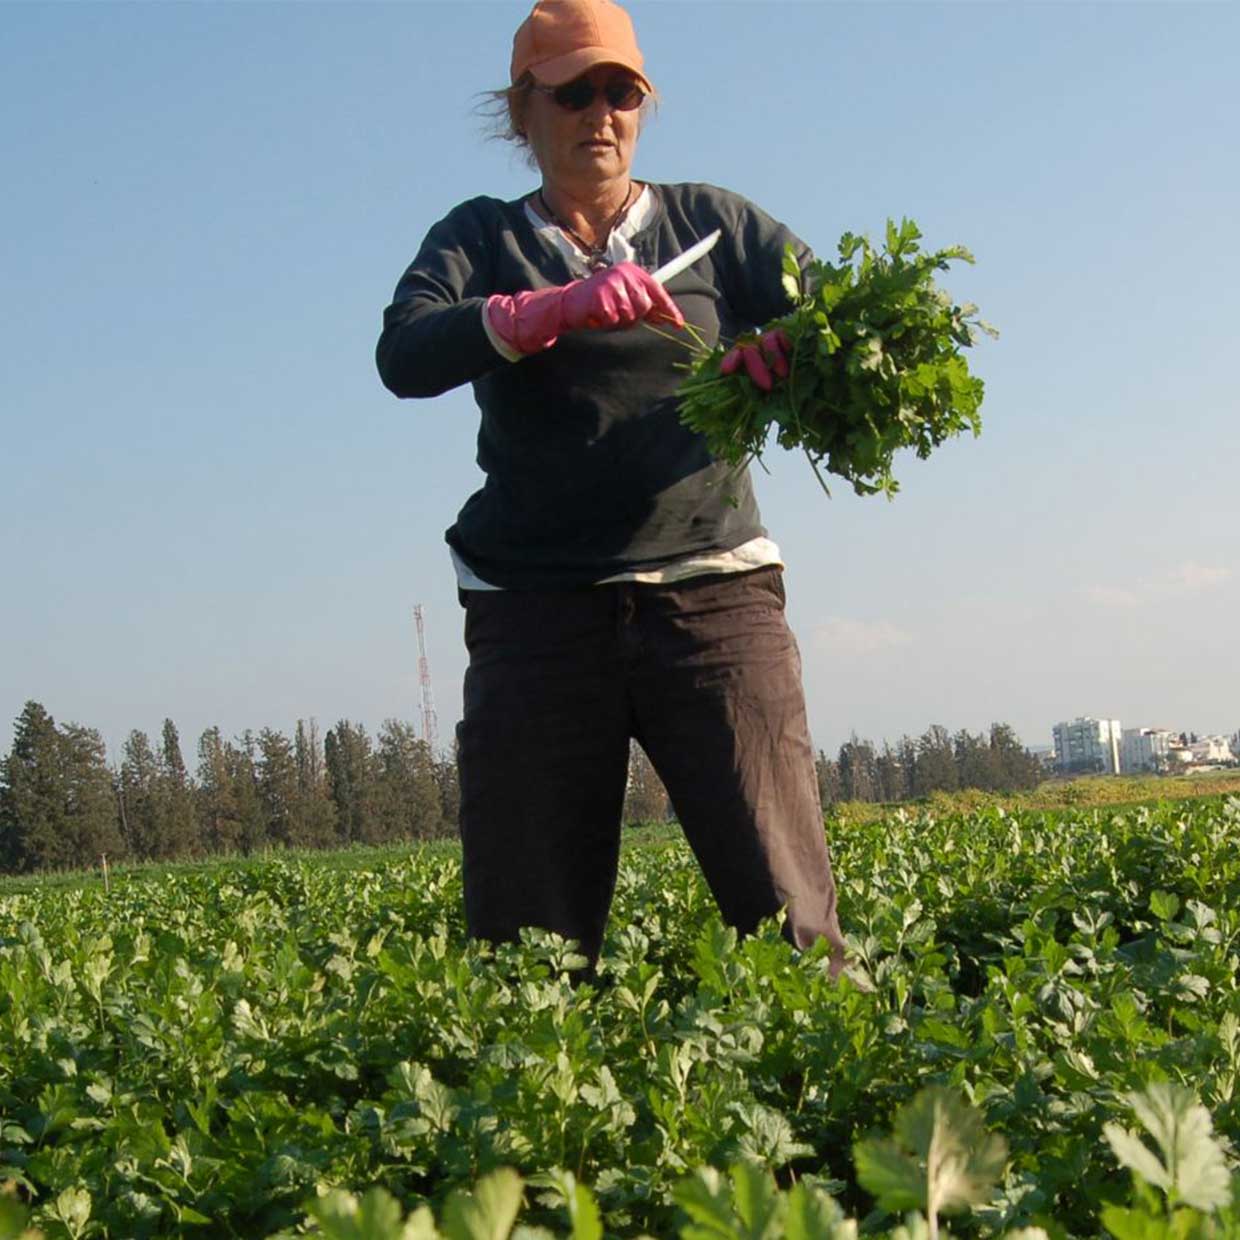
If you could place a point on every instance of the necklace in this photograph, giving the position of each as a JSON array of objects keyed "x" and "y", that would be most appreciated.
[{"x": 596, "y": 255}]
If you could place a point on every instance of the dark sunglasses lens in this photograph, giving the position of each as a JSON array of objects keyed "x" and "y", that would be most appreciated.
[
  {"x": 575, "y": 96},
  {"x": 624, "y": 96}
]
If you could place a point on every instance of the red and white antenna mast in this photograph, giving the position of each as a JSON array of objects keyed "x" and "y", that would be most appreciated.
[{"x": 430, "y": 725}]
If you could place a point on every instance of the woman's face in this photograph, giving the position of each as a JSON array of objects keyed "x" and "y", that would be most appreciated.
[{"x": 595, "y": 144}]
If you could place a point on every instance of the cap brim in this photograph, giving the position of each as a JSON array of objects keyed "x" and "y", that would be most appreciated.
[{"x": 561, "y": 69}]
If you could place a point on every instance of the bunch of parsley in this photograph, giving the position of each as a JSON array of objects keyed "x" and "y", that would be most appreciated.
[{"x": 876, "y": 366}]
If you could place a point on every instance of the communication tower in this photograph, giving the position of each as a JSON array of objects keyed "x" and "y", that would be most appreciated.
[{"x": 430, "y": 725}]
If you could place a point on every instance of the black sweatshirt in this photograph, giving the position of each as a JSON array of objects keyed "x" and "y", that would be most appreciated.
[{"x": 589, "y": 472}]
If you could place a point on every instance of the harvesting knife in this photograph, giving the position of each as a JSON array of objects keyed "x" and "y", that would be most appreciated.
[{"x": 687, "y": 259}]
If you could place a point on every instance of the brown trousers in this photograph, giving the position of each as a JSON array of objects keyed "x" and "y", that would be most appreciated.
[{"x": 706, "y": 675}]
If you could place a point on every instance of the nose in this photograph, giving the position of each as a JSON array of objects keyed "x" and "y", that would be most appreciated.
[{"x": 599, "y": 109}]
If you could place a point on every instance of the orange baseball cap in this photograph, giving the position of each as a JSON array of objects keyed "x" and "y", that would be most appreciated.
[{"x": 562, "y": 39}]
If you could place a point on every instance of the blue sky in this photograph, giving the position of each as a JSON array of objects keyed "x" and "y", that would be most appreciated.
[{"x": 211, "y": 510}]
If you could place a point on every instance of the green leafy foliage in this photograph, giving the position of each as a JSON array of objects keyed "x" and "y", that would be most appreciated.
[
  {"x": 13, "y": 1216},
  {"x": 256, "y": 1049},
  {"x": 1188, "y": 1169},
  {"x": 745, "y": 1205},
  {"x": 375, "y": 1216},
  {"x": 940, "y": 1160},
  {"x": 488, "y": 1212},
  {"x": 876, "y": 366}
]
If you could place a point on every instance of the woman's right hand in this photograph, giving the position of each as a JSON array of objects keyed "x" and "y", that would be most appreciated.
[{"x": 617, "y": 296}]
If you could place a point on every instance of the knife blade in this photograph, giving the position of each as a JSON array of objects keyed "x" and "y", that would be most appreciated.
[{"x": 687, "y": 259}]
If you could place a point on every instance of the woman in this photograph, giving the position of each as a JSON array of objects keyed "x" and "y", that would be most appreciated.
[{"x": 617, "y": 581}]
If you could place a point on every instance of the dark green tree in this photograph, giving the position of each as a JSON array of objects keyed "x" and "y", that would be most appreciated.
[
  {"x": 182, "y": 834},
  {"x": 976, "y": 762},
  {"x": 830, "y": 789},
  {"x": 351, "y": 780},
  {"x": 33, "y": 813},
  {"x": 229, "y": 807},
  {"x": 448, "y": 777},
  {"x": 906, "y": 751},
  {"x": 218, "y": 810},
  {"x": 57, "y": 802},
  {"x": 93, "y": 820},
  {"x": 315, "y": 815},
  {"x": 1018, "y": 769},
  {"x": 936, "y": 762},
  {"x": 276, "y": 774},
  {"x": 245, "y": 780},
  {"x": 407, "y": 795},
  {"x": 858, "y": 770},
  {"x": 889, "y": 774},
  {"x": 139, "y": 801}
]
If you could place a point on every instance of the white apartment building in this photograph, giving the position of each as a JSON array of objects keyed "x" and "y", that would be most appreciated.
[
  {"x": 1087, "y": 744},
  {"x": 1212, "y": 749},
  {"x": 1145, "y": 749}
]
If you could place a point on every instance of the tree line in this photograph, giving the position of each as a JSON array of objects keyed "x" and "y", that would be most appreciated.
[
  {"x": 936, "y": 761},
  {"x": 63, "y": 806}
]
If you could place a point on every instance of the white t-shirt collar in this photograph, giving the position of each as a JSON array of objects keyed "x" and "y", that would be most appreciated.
[{"x": 619, "y": 247}]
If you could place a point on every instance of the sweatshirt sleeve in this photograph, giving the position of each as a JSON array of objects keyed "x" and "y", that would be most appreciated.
[
  {"x": 433, "y": 335},
  {"x": 751, "y": 265}
]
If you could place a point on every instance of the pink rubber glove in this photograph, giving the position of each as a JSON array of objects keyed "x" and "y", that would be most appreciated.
[
  {"x": 773, "y": 346},
  {"x": 617, "y": 296}
]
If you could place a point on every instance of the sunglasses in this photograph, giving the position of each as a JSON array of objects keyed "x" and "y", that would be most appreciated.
[{"x": 622, "y": 94}]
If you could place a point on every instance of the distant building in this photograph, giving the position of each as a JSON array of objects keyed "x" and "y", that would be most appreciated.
[
  {"x": 1145, "y": 749},
  {"x": 1087, "y": 744},
  {"x": 1212, "y": 749}
]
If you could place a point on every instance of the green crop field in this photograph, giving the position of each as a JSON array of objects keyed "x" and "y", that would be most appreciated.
[{"x": 1043, "y": 1032}]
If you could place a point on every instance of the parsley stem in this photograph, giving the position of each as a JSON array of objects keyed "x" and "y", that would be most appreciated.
[{"x": 650, "y": 327}]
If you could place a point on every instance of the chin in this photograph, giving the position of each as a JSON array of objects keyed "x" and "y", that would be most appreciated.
[{"x": 600, "y": 163}]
